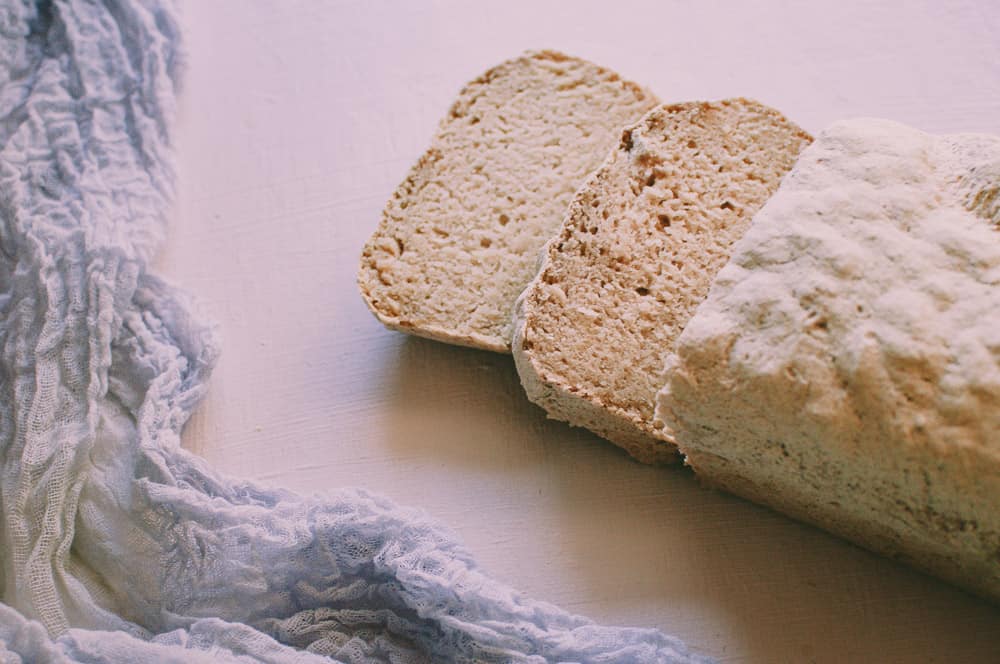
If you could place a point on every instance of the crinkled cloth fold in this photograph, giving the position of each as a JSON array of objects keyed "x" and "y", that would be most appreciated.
[{"x": 118, "y": 545}]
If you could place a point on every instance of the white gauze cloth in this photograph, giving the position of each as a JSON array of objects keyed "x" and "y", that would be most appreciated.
[{"x": 117, "y": 544}]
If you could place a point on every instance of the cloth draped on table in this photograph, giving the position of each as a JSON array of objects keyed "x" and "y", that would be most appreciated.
[{"x": 117, "y": 544}]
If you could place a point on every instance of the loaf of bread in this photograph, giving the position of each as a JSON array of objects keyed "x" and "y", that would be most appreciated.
[
  {"x": 845, "y": 367},
  {"x": 641, "y": 243},
  {"x": 460, "y": 237}
]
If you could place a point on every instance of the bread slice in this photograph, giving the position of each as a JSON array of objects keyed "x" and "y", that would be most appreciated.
[
  {"x": 640, "y": 246},
  {"x": 845, "y": 367},
  {"x": 460, "y": 237}
]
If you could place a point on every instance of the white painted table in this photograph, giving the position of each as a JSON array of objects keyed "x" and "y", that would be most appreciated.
[{"x": 297, "y": 121}]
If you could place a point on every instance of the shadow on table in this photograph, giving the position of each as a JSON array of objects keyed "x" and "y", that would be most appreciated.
[{"x": 650, "y": 542}]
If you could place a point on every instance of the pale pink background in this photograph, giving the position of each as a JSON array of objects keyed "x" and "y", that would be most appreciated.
[{"x": 297, "y": 121}]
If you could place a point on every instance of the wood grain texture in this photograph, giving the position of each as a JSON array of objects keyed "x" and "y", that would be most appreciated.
[{"x": 297, "y": 121}]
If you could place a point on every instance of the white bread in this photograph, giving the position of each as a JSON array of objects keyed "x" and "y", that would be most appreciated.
[
  {"x": 845, "y": 368},
  {"x": 641, "y": 243},
  {"x": 460, "y": 237}
]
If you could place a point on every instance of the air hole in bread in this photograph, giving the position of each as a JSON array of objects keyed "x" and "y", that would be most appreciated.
[{"x": 627, "y": 140}]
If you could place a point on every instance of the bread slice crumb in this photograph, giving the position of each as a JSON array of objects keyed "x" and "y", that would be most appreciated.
[
  {"x": 460, "y": 237},
  {"x": 637, "y": 253}
]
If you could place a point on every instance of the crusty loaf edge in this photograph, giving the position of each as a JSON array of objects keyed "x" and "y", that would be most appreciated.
[
  {"x": 720, "y": 459},
  {"x": 717, "y": 473}
]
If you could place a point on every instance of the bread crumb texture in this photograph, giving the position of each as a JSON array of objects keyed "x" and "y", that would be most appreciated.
[
  {"x": 460, "y": 237},
  {"x": 640, "y": 246},
  {"x": 845, "y": 367}
]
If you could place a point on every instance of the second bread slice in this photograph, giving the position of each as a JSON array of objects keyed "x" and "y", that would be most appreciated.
[{"x": 641, "y": 244}]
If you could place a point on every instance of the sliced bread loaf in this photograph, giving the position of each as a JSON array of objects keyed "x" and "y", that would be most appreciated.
[
  {"x": 641, "y": 243},
  {"x": 460, "y": 237},
  {"x": 845, "y": 367}
]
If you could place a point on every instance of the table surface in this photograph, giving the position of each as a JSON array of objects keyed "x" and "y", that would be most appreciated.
[{"x": 296, "y": 122}]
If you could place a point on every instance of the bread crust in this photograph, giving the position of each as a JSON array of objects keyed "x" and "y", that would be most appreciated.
[{"x": 845, "y": 368}]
